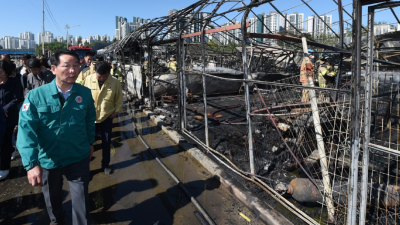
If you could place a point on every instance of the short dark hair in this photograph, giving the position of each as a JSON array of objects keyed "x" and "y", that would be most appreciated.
[
  {"x": 6, "y": 67},
  {"x": 102, "y": 68},
  {"x": 43, "y": 62},
  {"x": 55, "y": 59},
  {"x": 13, "y": 66},
  {"x": 26, "y": 56},
  {"x": 6, "y": 56},
  {"x": 90, "y": 53},
  {"x": 33, "y": 63}
]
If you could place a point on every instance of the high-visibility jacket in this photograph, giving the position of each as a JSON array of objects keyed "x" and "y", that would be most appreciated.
[
  {"x": 82, "y": 75},
  {"x": 55, "y": 135},
  {"x": 172, "y": 65},
  {"x": 108, "y": 99},
  {"x": 323, "y": 73},
  {"x": 145, "y": 67},
  {"x": 116, "y": 74}
]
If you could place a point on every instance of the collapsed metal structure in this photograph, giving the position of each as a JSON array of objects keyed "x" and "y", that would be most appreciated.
[{"x": 344, "y": 140}]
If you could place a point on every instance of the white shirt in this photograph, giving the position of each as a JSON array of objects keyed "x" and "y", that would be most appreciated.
[{"x": 23, "y": 70}]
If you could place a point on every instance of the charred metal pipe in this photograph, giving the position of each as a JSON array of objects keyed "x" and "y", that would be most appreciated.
[
  {"x": 367, "y": 118},
  {"x": 355, "y": 110},
  {"x": 304, "y": 191},
  {"x": 181, "y": 92},
  {"x": 247, "y": 90},
  {"x": 203, "y": 58},
  {"x": 341, "y": 28}
]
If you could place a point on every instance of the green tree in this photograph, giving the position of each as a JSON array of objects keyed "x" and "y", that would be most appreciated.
[
  {"x": 114, "y": 40},
  {"x": 231, "y": 46},
  {"x": 54, "y": 46},
  {"x": 79, "y": 40},
  {"x": 213, "y": 45},
  {"x": 94, "y": 43},
  {"x": 105, "y": 39},
  {"x": 86, "y": 43},
  {"x": 380, "y": 22}
]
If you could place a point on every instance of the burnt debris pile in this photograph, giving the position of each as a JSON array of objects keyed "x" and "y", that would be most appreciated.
[{"x": 282, "y": 109}]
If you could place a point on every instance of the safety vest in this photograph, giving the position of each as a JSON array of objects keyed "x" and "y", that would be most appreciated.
[
  {"x": 82, "y": 75},
  {"x": 117, "y": 74},
  {"x": 172, "y": 65},
  {"x": 323, "y": 71}
]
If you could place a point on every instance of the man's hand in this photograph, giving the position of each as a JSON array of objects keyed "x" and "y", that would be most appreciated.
[
  {"x": 113, "y": 115},
  {"x": 35, "y": 176},
  {"x": 6, "y": 112},
  {"x": 91, "y": 151}
]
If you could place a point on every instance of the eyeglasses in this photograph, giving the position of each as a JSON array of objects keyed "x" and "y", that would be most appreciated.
[{"x": 70, "y": 66}]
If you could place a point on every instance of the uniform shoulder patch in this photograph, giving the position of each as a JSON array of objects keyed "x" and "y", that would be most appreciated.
[{"x": 25, "y": 107}]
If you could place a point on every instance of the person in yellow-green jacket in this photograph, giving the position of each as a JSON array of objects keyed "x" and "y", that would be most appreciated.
[
  {"x": 326, "y": 74},
  {"x": 107, "y": 95},
  {"x": 55, "y": 137},
  {"x": 115, "y": 72},
  {"x": 89, "y": 70},
  {"x": 172, "y": 65}
]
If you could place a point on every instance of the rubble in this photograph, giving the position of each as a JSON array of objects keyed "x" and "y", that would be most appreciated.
[{"x": 239, "y": 95}]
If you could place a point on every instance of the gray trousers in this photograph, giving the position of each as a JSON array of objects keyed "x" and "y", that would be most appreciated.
[{"x": 78, "y": 177}]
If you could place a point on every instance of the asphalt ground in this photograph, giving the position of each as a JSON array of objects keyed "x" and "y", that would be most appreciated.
[{"x": 138, "y": 192}]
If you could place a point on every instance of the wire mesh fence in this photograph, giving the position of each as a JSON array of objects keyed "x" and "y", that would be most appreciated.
[
  {"x": 383, "y": 174},
  {"x": 240, "y": 95}
]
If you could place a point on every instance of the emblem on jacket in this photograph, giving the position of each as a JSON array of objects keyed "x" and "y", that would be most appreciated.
[
  {"x": 78, "y": 99},
  {"x": 25, "y": 107}
]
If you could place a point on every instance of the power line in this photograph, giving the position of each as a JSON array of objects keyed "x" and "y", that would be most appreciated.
[
  {"x": 52, "y": 17},
  {"x": 47, "y": 18},
  {"x": 51, "y": 14}
]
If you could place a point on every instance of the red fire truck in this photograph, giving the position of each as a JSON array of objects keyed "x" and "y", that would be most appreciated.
[{"x": 81, "y": 50}]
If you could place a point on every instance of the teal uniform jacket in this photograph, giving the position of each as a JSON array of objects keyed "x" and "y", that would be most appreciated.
[{"x": 55, "y": 136}]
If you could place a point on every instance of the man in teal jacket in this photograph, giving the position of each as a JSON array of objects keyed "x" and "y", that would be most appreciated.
[{"x": 55, "y": 138}]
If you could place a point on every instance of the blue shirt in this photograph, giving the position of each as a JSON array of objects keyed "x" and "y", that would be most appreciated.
[{"x": 67, "y": 93}]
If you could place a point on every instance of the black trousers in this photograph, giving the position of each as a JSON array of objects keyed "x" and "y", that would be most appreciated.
[
  {"x": 78, "y": 177},
  {"x": 6, "y": 149},
  {"x": 105, "y": 128}
]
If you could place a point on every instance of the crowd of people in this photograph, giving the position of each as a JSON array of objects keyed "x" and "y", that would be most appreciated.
[
  {"x": 57, "y": 111},
  {"x": 15, "y": 83}
]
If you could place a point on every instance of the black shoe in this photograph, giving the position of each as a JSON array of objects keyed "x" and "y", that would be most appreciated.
[
  {"x": 61, "y": 222},
  {"x": 108, "y": 170}
]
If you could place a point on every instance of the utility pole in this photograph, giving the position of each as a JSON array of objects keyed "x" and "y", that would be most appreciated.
[
  {"x": 68, "y": 27},
  {"x": 43, "y": 28}
]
